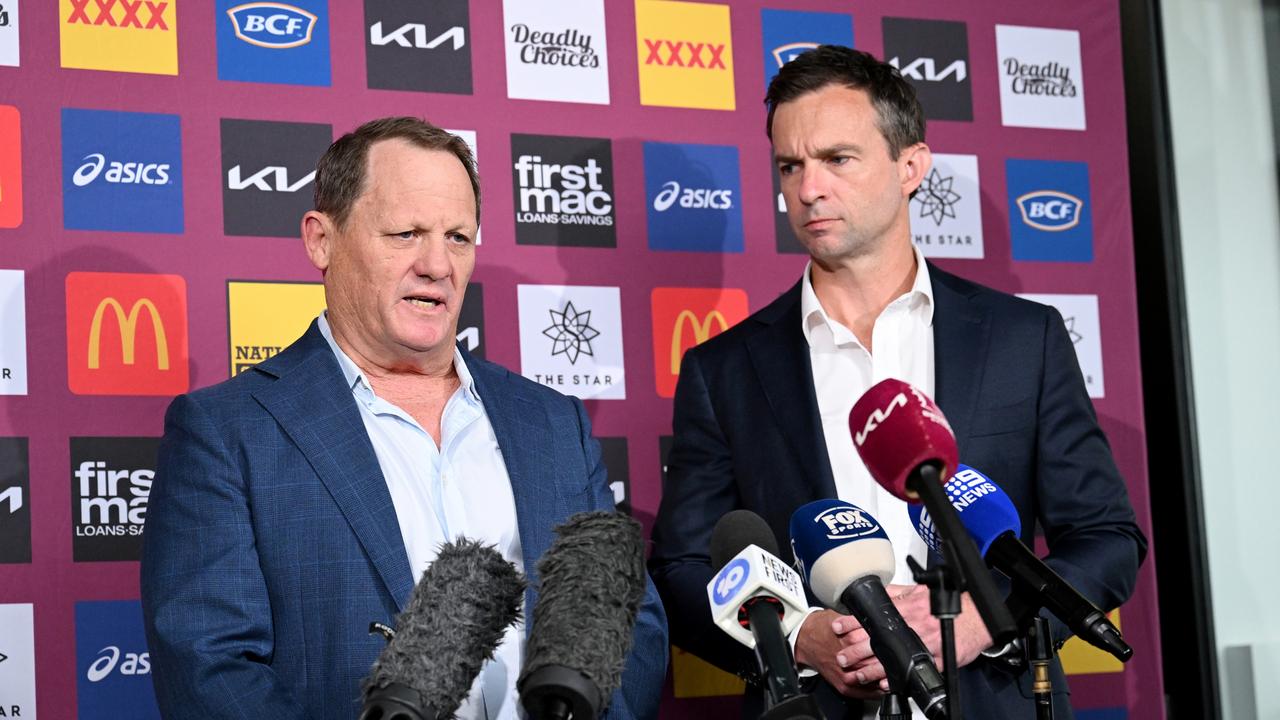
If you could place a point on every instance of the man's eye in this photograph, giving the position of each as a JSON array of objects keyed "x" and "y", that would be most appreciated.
[
  {"x": 405, "y": 235},
  {"x": 459, "y": 238},
  {"x": 839, "y": 160},
  {"x": 786, "y": 169}
]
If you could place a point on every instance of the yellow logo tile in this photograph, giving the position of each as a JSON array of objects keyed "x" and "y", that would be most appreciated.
[
  {"x": 265, "y": 317},
  {"x": 1080, "y": 658},
  {"x": 694, "y": 677},
  {"x": 685, "y": 54},
  {"x": 122, "y": 35}
]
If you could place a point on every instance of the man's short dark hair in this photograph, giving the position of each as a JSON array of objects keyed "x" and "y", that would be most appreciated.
[
  {"x": 340, "y": 174},
  {"x": 899, "y": 115}
]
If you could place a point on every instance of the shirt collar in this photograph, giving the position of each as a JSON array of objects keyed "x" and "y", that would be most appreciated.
[
  {"x": 812, "y": 314},
  {"x": 355, "y": 376}
]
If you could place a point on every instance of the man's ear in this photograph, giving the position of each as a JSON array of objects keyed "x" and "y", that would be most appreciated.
[
  {"x": 318, "y": 236},
  {"x": 913, "y": 166}
]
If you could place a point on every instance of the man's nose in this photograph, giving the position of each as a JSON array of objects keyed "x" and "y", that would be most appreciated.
[
  {"x": 813, "y": 184},
  {"x": 432, "y": 260}
]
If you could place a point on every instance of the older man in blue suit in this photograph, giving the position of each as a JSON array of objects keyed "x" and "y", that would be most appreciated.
[{"x": 300, "y": 500}]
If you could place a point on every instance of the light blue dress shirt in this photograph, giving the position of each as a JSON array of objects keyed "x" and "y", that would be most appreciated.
[{"x": 459, "y": 489}]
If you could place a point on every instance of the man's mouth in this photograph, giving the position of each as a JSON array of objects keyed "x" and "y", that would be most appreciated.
[{"x": 423, "y": 302}]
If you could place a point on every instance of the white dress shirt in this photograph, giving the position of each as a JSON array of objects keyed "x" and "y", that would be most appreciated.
[
  {"x": 901, "y": 348},
  {"x": 459, "y": 489}
]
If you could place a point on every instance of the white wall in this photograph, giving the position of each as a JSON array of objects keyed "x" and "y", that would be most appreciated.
[{"x": 1225, "y": 164}]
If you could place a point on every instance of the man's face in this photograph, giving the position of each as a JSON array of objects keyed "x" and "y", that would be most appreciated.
[
  {"x": 846, "y": 197},
  {"x": 396, "y": 273}
]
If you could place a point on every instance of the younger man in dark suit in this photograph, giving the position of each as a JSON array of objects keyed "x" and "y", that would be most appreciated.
[{"x": 761, "y": 411}]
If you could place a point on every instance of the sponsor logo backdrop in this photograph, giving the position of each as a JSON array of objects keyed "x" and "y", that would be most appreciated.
[{"x": 151, "y": 183}]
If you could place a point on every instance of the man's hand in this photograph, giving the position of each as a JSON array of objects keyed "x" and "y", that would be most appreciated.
[
  {"x": 839, "y": 649},
  {"x": 971, "y": 633}
]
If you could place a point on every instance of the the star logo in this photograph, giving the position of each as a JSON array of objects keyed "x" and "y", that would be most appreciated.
[
  {"x": 571, "y": 333},
  {"x": 937, "y": 199},
  {"x": 1071, "y": 329}
]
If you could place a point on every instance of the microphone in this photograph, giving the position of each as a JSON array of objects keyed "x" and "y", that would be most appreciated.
[
  {"x": 593, "y": 582},
  {"x": 758, "y": 600},
  {"x": 455, "y": 618},
  {"x": 909, "y": 448},
  {"x": 991, "y": 519},
  {"x": 847, "y": 558}
]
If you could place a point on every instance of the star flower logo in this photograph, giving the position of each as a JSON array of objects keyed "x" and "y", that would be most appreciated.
[
  {"x": 937, "y": 199},
  {"x": 1076, "y": 337},
  {"x": 571, "y": 333}
]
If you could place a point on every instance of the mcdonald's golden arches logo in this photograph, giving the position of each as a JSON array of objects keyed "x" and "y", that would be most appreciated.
[
  {"x": 684, "y": 317},
  {"x": 126, "y": 334}
]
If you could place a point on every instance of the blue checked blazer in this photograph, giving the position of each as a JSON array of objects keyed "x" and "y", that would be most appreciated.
[{"x": 271, "y": 540}]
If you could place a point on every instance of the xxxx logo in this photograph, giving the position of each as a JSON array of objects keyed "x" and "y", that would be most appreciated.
[
  {"x": 131, "y": 15},
  {"x": 678, "y": 53}
]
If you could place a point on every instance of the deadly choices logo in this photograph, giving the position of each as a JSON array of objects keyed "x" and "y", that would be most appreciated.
[
  {"x": 274, "y": 42},
  {"x": 693, "y": 196},
  {"x": 1050, "y": 215},
  {"x": 121, "y": 171},
  {"x": 113, "y": 666}
]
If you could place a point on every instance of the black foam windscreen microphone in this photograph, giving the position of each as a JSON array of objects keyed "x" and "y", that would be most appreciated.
[
  {"x": 592, "y": 584},
  {"x": 452, "y": 624}
]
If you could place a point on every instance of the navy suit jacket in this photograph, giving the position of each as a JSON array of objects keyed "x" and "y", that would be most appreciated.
[
  {"x": 748, "y": 435},
  {"x": 272, "y": 542}
]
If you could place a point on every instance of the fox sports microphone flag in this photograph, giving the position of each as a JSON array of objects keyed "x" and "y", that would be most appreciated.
[
  {"x": 896, "y": 428},
  {"x": 834, "y": 542}
]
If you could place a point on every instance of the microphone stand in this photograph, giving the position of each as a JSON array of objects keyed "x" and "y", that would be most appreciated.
[
  {"x": 945, "y": 586},
  {"x": 1039, "y": 655}
]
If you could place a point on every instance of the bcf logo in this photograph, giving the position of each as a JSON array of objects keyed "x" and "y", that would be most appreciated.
[
  {"x": 274, "y": 42},
  {"x": 1050, "y": 212},
  {"x": 272, "y": 25}
]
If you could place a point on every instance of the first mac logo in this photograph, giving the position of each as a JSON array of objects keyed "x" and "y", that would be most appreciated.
[{"x": 126, "y": 334}]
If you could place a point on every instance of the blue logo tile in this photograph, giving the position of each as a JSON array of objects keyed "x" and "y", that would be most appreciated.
[
  {"x": 274, "y": 42},
  {"x": 693, "y": 195},
  {"x": 121, "y": 171},
  {"x": 788, "y": 33},
  {"x": 1050, "y": 215},
  {"x": 113, "y": 667}
]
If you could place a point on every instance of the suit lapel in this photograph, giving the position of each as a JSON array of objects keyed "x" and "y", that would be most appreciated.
[
  {"x": 311, "y": 401},
  {"x": 961, "y": 334},
  {"x": 780, "y": 357},
  {"x": 524, "y": 438}
]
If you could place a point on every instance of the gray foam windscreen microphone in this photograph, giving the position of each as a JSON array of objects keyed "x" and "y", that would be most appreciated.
[
  {"x": 452, "y": 624},
  {"x": 592, "y": 584}
]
